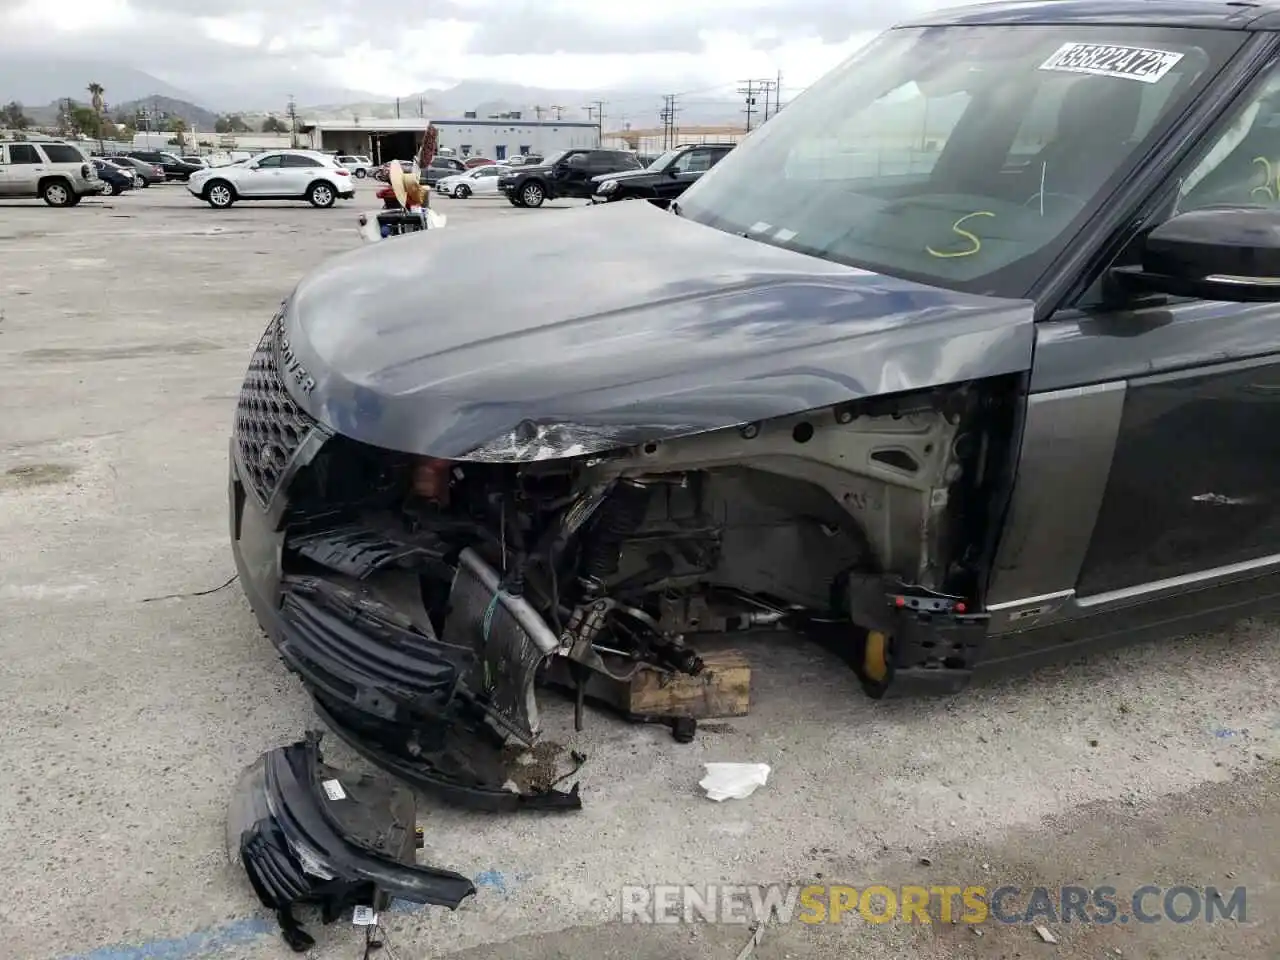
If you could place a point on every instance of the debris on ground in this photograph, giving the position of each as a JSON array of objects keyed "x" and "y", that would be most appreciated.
[
  {"x": 733, "y": 781},
  {"x": 1045, "y": 935},
  {"x": 306, "y": 833}
]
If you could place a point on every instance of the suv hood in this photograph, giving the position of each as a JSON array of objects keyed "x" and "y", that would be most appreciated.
[
  {"x": 620, "y": 323},
  {"x": 521, "y": 170},
  {"x": 626, "y": 175}
]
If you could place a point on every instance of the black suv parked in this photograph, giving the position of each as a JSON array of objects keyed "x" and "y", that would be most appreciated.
[
  {"x": 174, "y": 168},
  {"x": 565, "y": 174},
  {"x": 662, "y": 180}
]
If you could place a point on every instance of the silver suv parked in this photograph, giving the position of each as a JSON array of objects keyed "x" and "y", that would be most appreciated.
[{"x": 57, "y": 173}]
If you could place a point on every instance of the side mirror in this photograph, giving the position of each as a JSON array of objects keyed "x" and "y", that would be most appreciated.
[
  {"x": 1216, "y": 253},
  {"x": 672, "y": 172}
]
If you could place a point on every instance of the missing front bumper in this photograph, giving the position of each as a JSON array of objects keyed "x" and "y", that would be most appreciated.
[{"x": 448, "y": 714}]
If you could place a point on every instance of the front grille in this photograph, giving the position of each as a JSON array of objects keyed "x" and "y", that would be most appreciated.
[{"x": 270, "y": 427}]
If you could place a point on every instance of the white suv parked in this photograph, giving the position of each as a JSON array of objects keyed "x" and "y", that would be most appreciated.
[
  {"x": 275, "y": 175},
  {"x": 360, "y": 167},
  {"x": 57, "y": 173}
]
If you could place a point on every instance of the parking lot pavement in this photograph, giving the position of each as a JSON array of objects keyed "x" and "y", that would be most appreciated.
[{"x": 129, "y": 702}]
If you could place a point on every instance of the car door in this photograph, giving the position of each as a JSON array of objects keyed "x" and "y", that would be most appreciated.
[
  {"x": 485, "y": 180},
  {"x": 1148, "y": 488},
  {"x": 25, "y": 167},
  {"x": 684, "y": 171},
  {"x": 263, "y": 177},
  {"x": 297, "y": 173}
]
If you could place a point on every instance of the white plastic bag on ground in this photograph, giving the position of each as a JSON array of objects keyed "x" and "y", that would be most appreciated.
[{"x": 733, "y": 781}]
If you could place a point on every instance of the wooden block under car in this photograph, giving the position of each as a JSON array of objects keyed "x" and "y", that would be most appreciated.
[{"x": 722, "y": 689}]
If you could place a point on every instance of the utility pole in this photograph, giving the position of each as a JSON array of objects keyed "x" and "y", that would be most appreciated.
[
  {"x": 293, "y": 122},
  {"x": 595, "y": 111},
  {"x": 668, "y": 118},
  {"x": 539, "y": 111},
  {"x": 766, "y": 86},
  {"x": 397, "y": 108},
  {"x": 559, "y": 111},
  {"x": 749, "y": 89}
]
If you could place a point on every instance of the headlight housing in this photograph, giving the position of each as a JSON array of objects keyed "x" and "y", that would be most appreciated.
[{"x": 608, "y": 187}]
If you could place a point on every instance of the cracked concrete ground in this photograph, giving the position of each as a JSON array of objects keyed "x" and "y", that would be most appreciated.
[{"x": 129, "y": 704}]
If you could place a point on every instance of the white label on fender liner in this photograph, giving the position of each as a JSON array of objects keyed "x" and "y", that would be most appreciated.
[
  {"x": 333, "y": 790},
  {"x": 1113, "y": 60},
  {"x": 363, "y": 916}
]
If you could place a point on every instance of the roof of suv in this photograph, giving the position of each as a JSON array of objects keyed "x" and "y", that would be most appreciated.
[{"x": 1222, "y": 14}]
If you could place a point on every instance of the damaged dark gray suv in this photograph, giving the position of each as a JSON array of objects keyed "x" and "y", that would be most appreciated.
[{"x": 967, "y": 355}]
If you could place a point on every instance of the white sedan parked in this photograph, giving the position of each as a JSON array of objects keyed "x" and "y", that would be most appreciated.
[{"x": 479, "y": 180}]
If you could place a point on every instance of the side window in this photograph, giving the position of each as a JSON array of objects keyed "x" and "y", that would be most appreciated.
[
  {"x": 275, "y": 160},
  {"x": 717, "y": 156},
  {"x": 24, "y": 153},
  {"x": 1241, "y": 163},
  {"x": 296, "y": 160},
  {"x": 699, "y": 161},
  {"x": 578, "y": 160},
  {"x": 1237, "y": 162}
]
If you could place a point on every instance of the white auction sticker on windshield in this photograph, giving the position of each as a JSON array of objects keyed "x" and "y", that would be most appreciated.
[{"x": 1112, "y": 60}]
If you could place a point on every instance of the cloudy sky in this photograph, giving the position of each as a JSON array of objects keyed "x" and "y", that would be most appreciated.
[{"x": 686, "y": 45}]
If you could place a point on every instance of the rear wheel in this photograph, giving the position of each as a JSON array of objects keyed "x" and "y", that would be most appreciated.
[
  {"x": 57, "y": 193},
  {"x": 321, "y": 194},
  {"x": 532, "y": 195},
  {"x": 219, "y": 194},
  {"x": 462, "y": 191},
  {"x": 360, "y": 174},
  {"x": 112, "y": 190}
]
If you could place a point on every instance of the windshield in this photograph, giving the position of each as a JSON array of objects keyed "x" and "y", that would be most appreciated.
[
  {"x": 966, "y": 157},
  {"x": 553, "y": 158},
  {"x": 662, "y": 161}
]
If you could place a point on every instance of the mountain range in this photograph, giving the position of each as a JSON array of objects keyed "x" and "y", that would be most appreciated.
[{"x": 37, "y": 82}]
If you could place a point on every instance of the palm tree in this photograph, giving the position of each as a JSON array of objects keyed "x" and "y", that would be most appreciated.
[{"x": 96, "y": 90}]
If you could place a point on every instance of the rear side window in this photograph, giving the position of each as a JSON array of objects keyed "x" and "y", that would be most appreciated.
[
  {"x": 296, "y": 160},
  {"x": 23, "y": 153},
  {"x": 62, "y": 153}
]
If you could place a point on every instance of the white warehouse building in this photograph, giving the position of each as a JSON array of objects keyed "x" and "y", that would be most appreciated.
[{"x": 400, "y": 139}]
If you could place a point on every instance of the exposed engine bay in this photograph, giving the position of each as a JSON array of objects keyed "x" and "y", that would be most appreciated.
[{"x": 450, "y": 587}]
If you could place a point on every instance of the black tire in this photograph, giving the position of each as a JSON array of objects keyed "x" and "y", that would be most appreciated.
[
  {"x": 219, "y": 194},
  {"x": 532, "y": 194},
  {"x": 360, "y": 174},
  {"x": 143, "y": 183},
  {"x": 75, "y": 199},
  {"x": 461, "y": 191},
  {"x": 321, "y": 194},
  {"x": 57, "y": 192}
]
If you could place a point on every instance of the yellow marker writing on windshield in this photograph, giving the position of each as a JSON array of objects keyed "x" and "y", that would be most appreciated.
[
  {"x": 1265, "y": 188},
  {"x": 971, "y": 237}
]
